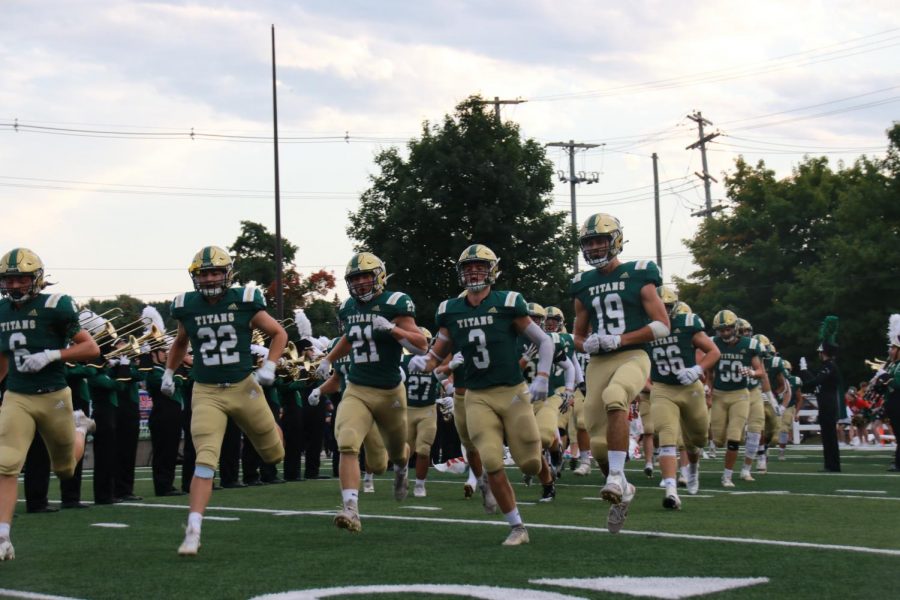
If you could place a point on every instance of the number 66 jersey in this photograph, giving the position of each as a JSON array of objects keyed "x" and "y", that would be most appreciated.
[
  {"x": 675, "y": 352},
  {"x": 613, "y": 299},
  {"x": 220, "y": 333}
]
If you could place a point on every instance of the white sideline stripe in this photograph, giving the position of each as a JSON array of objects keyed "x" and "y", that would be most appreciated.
[
  {"x": 205, "y": 518},
  {"x": 862, "y": 491},
  {"x": 885, "y": 475},
  {"x": 32, "y": 595},
  {"x": 681, "y": 536}
]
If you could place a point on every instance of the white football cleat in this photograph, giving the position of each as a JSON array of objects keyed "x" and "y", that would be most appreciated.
[
  {"x": 401, "y": 484},
  {"x": 517, "y": 536},
  {"x": 368, "y": 486},
  {"x": 693, "y": 482},
  {"x": 726, "y": 482},
  {"x": 7, "y": 552},
  {"x": 488, "y": 500},
  {"x": 583, "y": 469},
  {"x": 348, "y": 518},
  {"x": 762, "y": 464},
  {"x": 671, "y": 499},
  {"x": 419, "y": 491},
  {"x": 746, "y": 476},
  {"x": 615, "y": 488},
  {"x": 191, "y": 544},
  {"x": 615, "y": 519}
]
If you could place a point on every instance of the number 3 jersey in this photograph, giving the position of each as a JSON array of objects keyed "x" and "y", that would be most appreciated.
[
  {"x": 375, "y": 354},
  {"x": 47, "y": 322},
  {"x": 220, "y": 333},
  {"x": 675, "y": 352},
  {"x": 486, "y": 336},
  {"x": 613, "y": 299}
]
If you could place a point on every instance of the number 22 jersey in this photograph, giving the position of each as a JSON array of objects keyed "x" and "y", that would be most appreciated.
[{"x": 220, "y": 333}]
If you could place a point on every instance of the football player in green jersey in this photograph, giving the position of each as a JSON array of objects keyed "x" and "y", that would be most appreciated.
[
  {"x": 39, "y": 334},
  {"x": 422, "y": 390},
  {"x": 677, "y": 400},
  {"x": 617, "y": 312},
  {"x": 377, "y": 325},
  {"x": 775, "y": 400},
  {"x": 484, "y": 325},
  {"x": 217, "y": 321},
  {"x": 554, "y": 325},
  {"x": 791, "y": 411},
  {"x": 730, "y": 398},
  {"x": 759, "y": 392}
]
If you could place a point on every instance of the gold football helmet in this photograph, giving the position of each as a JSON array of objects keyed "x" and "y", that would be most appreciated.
[
  {"x": 765, "y": 346},
  {"x": 555, "y": 320},
  {"x": 212, "y": 258},
  {"x": 537, "y": 313},
  {"x": 725, "y": 324},
  {"x": 681, "y": 308},
  {"x": 669, "y": 297},
  {"x": 601, "y": 225},
  {"x": 744, "y": 327},
  {"x": 365, "y": 262},
  {"x": 478, "y": 280},
  {"x": 21, "y": 261},
  {"x": 788, "y": 365}
]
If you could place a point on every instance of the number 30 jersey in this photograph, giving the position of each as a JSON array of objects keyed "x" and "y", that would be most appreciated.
[
  {"x": 375, "y": 354},
  {"x": 46, "y": 322},
  {"x": 675, "y": 352},
  {"x": 220, "y": 333},
  {"x": 613, "y": 300},
  {"x": 486, "y": 336}
]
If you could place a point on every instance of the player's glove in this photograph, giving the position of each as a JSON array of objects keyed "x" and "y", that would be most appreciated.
[
  {"x": 265, "y": 375},
  {"x": 592, "y": 344},
  {"x": 35, "y": 362},
  {"x": 324, "y": 369},
  {"x": 446, "y": 406},
  {"x": 456, "y": 362},
  {"x": 608, "y": 343},
  {"x": 568, "y": 398},
  {"x": 168, "y": 383},
  {"x": 530, "y": 352},
  {"x": 539, "y": 388},
  {"x": 314, "y": 397},
  {"x": 418, "y": 364},
  {"x": 380, "y": 323},
  {"x": 803, "y": 365},
  {"x": 690, "y": 375}
]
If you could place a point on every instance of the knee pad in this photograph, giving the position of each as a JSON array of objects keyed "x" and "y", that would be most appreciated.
[
  {"x": 733, "y": 445},
  {"x": 204, "y": 472},
  {"x": 783, "y": 438},
  {"x": 668, "y": 451}
]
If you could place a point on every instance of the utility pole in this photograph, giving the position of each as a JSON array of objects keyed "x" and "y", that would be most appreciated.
[
  {"x": 497, "y": 102},
  {"x": 279, "y": 279},
  {"x": 656, "y": 210},
  {"x": 571, "y": 147},
  {"x": 706, "y": 177}
]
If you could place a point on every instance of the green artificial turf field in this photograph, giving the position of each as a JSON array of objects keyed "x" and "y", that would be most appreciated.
[{"x": 806, "y": 534}]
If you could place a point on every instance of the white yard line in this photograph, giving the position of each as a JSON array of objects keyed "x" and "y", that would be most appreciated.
[
  {"x": 32, "y": 595},
  {"x": 663, "y": 534}
]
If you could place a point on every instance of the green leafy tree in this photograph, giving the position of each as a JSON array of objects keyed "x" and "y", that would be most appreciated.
[
  {"x": 470, "y": 179},
  {"x": 791, "y": 251},
  {"x": 254, "y": 254}
]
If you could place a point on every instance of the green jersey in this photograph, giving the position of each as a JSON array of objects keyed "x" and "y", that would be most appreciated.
[
  {"x": 774, "y": 366},
  {"x": 730, "y": 368},
  {"x": 220, "y": 333},
  {"x": 375, "y": 355},
  {"x": 675, "y": 352},
  {"x": 796, "y": 384},
  {"x": 422, "y": 389},
  {"x": 341, "y": 366},
  {"x": 563, "y": 348},
  {"x": 46, "y": 322},
  {"x": 613, "y": 300},
  {"x": 486, "y": 336}
]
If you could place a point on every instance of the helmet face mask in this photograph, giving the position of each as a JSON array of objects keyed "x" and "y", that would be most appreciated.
[
  {"x": 554, "y": 322},
  {"x": 600, "y": 239},
  {"x": 537, "y": 313},
  {"x": 365, "y": 276},
  {"x": 211, "y": 271},
  {"x": 477, "y": 268},
  {"x": 725, "y": 326},
  {"x": 21, "y": 275}
]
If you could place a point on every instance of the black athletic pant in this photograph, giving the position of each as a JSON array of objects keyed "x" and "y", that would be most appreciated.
[
  {"x": 165, "y": 435},
  {"x": 104, "y": 452},
  {"x": 128, "y": 425},
  {"x": 312, "y": 424},
  {"x": 292, "y": 427},
  {"x": 230, "y": 458},
  {"x": 37, "y": 475},
  {"x": 251, "y": 462},
  {"x": 892, "y": 412}
]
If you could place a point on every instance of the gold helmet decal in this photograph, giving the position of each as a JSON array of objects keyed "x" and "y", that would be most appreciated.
[
  {"x": 555, "y": 320},
  {"x": 725, "y": 324},
  {"x": 601, "y": 225},
  {"x": 478, "y": 280},
  {"x": 364, "y": 289},
  {"x": 212, "y": 258},
  {"x": 17, "y": 262}
]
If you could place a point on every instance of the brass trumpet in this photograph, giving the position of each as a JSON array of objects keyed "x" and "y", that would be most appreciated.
[
  {"x": 259, "y": 338},
  {"x": 875, "y": 364},
  {"x": 111, "y": 333},
  {"x": 133, "y": 348}
]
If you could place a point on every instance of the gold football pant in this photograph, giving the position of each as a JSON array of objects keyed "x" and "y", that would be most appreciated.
[
  {"x": 546, "y": 414},
  {"x": 422, "y": 427},
  {"x": 376, "y": 453},
  {"x": 459, "y": 420},
  {"x": 51, "y": 415},
  {"x": 245, "y": 403},
  {"x": 613, "y": 381},
  {"x": 773, "y": 421},
  {"x": 680, "y": 408},
  {"x": 562, "y": 419},
  {"x": 495, "y": 411},
  {"x": 576, "y": 420},
  {"x": 756, "y": 418},
  {"x": 787, "y": 421},
  {"x": 644, "y": 404},
  {"x": 729, "y": 415},
  {"x": 360, "y": 407}
]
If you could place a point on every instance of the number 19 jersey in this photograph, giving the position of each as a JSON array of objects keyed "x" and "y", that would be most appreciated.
[
  {"x": 613, "y": 300},
  {"x": 220, "y": 333},
  {"x": 486, "y": 336},
  {"x": 375, "y": 354},
  {"x": 675, "y": 352}
]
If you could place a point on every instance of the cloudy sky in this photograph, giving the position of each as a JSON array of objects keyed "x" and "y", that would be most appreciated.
[{"x": 99, "y": 174}]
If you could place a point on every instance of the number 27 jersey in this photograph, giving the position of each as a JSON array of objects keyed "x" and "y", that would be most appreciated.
[
  {"x": 613, "y": 300},
  {"x": 220, "y": 333}
]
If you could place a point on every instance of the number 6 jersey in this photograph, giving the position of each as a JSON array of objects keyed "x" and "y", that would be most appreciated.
[
  {"x": 613, "y": 299},
  {"x": 675, "y": 352},
  {"x": 220, "y": 333}
]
